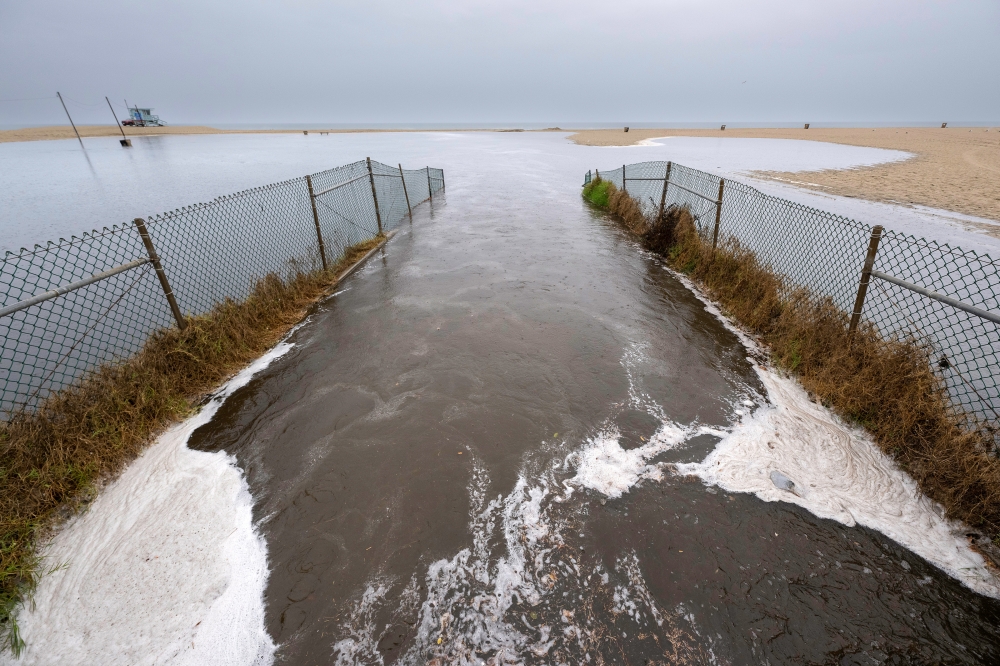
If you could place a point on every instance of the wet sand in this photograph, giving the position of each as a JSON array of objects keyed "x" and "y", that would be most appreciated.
[{"x": 956, "y": 169}]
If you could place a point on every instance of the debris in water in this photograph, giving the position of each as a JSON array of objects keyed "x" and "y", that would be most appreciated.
[{"x": 782, "y": 482}]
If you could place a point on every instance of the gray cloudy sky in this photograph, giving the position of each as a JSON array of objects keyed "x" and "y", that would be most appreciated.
[{"x": 481, "y": 61}]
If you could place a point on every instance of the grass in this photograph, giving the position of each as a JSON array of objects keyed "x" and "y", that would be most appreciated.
[
  {"x": 597, "y": 192},
  {"x": 883, "y": 385},
  {"x": 53, "y": 459}
]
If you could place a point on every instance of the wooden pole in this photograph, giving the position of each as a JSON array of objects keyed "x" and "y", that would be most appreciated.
[
  {"x": 718, "y": 215},
  {"x": 151, "y": 251},
  {"x": 70, "y": 118},
  {"x": 624, "y": 189},
  {"x": 126, "y": 143},
  {"x": 405, "y": 194},
  {"x": 430, "y": 192},
  {"x": 866, "y": 274},
  {"x": 663, "y": 195},
  {"x": 371, "y": 178},
  {"x": 319, "y": 234}
]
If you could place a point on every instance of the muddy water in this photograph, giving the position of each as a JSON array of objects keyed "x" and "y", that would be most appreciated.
[{"x": 458, "y": 463}]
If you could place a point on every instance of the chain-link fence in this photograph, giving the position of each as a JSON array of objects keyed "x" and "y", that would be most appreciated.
[
  {"x": 940, "y": 296},
  {"x": 71, "y": 306}
]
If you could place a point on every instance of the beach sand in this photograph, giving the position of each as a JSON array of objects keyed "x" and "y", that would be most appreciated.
[{"x": 956, "y": 169}]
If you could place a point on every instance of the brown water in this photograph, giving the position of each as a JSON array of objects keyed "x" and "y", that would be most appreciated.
[{"x": 413, "y": 460}]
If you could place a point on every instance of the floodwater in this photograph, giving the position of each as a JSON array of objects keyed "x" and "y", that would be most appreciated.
[
  {"x": 457, "y": 462},
  {"x": 464, "y": 457},
  {"x": 53, "y": 189}
]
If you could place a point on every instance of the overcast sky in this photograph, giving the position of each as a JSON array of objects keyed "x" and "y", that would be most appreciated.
[{"x": 481, "y": 61}]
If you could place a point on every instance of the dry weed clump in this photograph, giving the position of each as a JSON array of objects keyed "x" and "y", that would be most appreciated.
[
  {"x": 52, "y": 458},
  {"x": 884, "y": 385},
  {"x": 621, "y": 204}
]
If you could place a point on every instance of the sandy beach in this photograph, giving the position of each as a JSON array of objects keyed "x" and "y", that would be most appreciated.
[{"x": 956, "y": 169}]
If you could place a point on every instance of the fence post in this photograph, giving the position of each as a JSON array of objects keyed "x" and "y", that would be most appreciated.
[
  {"x": 151, "y": 251},
  {"x": 403, "y": 178},
  {"x": 624, "y": 188},
  {"x": 319, "y": 234},
  {"x": 371, "y": 178},
  {"x": 663, "y": 195},
  {"x": 442, "y": 179},
  {"x": 718, "y": 215},
  {"x": 866, "y": 274},
  {"x": 430, "y": 192}
]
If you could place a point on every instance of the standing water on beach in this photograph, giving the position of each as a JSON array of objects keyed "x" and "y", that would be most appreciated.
[{"x": 513, "y": 437}]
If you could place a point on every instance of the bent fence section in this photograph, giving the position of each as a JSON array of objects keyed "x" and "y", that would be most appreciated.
[
  {"x": 70, "y": 306},
  {"x": 909, "y": 288}
]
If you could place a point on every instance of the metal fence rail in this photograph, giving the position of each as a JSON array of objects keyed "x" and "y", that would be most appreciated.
[
  {"x": 69, "y": 307},
  {"x": 942, "y": 296}
]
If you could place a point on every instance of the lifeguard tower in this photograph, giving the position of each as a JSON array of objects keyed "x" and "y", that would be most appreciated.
[{"x": 139, "y": 117}]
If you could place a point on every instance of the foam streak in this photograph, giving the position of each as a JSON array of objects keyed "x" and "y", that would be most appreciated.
[{"x": 164, "y": 568}]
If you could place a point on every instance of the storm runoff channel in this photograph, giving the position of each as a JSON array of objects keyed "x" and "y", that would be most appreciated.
[
  {"x": 504, "y": 440},
  {"x": 459, "y": 460}
]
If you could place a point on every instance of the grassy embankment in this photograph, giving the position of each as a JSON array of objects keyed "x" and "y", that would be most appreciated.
[
  {"x": 884, "y": 386},
  {"x": 51, "y": 460}
]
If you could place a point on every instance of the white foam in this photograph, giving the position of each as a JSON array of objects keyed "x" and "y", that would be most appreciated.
[
  {"x": 603, "y": 465},
  {"x": 164, "y": 568},
  {"x": 838, "y": 473}
]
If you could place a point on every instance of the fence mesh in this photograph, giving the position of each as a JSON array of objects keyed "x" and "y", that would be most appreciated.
[
  {"x": 825, "y": 253},
  {"x": 209, "y": 252}
]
